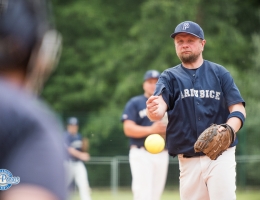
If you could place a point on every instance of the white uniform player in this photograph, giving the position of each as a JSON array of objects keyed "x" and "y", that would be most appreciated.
[
  {"x": 196, "y": 94},
  {"x": 149, "y": 171},
  {"x": 75, "y": 165}
]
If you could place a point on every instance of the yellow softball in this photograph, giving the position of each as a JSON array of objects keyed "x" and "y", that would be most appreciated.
[{"x": 154, "y": 143}]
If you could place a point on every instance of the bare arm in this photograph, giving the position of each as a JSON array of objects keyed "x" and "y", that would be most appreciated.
[
  {"x": 235, "y": 122},
  {"x": 131, "y": 129},
  {"x": 155, "y": 108},
  {"x": 78, "y": 154}
]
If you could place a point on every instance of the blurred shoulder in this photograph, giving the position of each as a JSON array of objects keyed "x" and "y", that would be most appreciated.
[{"x": 138, "y": 98}]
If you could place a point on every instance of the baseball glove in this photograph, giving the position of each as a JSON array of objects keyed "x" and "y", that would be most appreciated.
[{"x": 212, "y": 142}]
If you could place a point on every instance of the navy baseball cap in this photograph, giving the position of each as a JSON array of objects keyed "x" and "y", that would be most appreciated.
[
  {"x": 151, "y": 74},
  {"x": 72, "y": 121},
  {"x": 190, "y": 28}
]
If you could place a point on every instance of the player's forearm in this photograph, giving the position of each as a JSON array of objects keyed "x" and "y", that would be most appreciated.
[
  {"x": 136, "y": 131},
  {"x": 78, "y": 154},
  {"x": 74, "y": 152},
  {"x": 235, "y": 122}
]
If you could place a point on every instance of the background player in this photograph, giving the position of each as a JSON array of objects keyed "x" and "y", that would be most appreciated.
[
  {"x": 195, "y": 94},
  {"x": 77, "y": 148},
  {"x": 149, "y": 171},
  {"x": 30, "y": 140}
]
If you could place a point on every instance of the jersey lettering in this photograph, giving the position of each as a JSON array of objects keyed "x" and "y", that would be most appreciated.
[
  {"x": 217, "y": 95},
  {"x": 192, "y": 92},
  {"x": 207, "y": 94},
  {"x": 182, "y": 96},
  {"x": 212, "y": 94},
  {"x": 142, "y": 113},
  {"x": 196, "y": 93},
  {"x": 186, "y": 93},
  {"x": 200, "y": 93}
]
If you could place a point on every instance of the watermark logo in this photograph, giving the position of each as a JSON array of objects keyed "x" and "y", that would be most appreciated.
[{"x": 7, "y": 179}]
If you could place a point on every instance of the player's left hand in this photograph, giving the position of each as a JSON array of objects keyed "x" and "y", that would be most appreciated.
[
  {"x": 215, "y": 140},
  {"x": 158, "y": 127}
]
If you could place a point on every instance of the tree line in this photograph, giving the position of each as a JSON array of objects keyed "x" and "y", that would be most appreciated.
[{"x": 108, "y": 45}]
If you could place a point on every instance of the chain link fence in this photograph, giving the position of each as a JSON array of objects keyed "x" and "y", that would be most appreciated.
[{"x": 114, "y": 172}]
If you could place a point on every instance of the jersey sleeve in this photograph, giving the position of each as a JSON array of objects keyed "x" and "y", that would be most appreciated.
[
  {"x": 129, "y": 112},
  {"x": 230, "y": 90},
  {"x": 165, "y": 87}
]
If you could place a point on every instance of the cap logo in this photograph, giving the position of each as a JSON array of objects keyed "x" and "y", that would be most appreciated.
[
  {"x": 154, "y": 74},
  {"x": 185, "y": 25}
]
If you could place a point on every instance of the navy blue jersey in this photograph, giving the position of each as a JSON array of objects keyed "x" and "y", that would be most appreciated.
[
  {"x": 31, "y": 141},
  {"x": 135, "y": 110},
  {"x": 195, "y": 102},
  {"x": 74, "y": 141}
]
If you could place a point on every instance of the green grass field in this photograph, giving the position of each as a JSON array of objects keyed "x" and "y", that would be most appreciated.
[{"x": 101, "y": 194}]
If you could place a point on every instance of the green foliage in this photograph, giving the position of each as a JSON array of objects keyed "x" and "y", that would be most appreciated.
[{"x": 108, "y": 45}]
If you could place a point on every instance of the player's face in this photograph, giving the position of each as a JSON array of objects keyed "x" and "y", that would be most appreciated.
[
  {"x": 73, "y": 129},
  {"x": 149, "y": 86},
  {"x": 188, "y": 47}
]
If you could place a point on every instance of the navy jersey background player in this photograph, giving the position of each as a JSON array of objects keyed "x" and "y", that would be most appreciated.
[
  {"x": 74, "y": 139},
  {"x": 196, "y": 94},
  {"x": 149, "y": 171},
  {"x": 135, "y": 110},
  {"x": 76, "y": 147},
  {"x": 30, "y": 134}
]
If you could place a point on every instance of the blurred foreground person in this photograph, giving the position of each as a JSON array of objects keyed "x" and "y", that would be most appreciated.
[{"x": 31, "y": 148}]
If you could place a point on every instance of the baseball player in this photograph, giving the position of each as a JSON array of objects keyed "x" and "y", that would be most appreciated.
[
  {"x": 149, "y": 171},
  {"x": 196, "y": 94},
  {"x": 30, "y": 140},
  {"x": 76, "y": 150}
]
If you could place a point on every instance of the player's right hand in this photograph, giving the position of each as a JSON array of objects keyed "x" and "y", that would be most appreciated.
[
  {"x": 155, "y": 108},
  {"x": 152, "y": 104}
]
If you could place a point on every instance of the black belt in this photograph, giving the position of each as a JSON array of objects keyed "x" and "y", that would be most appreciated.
[
  {"x": 187, "y": 156},
  {"x": 135, "y": 146},
  {"x": 192, "y": 156}
]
